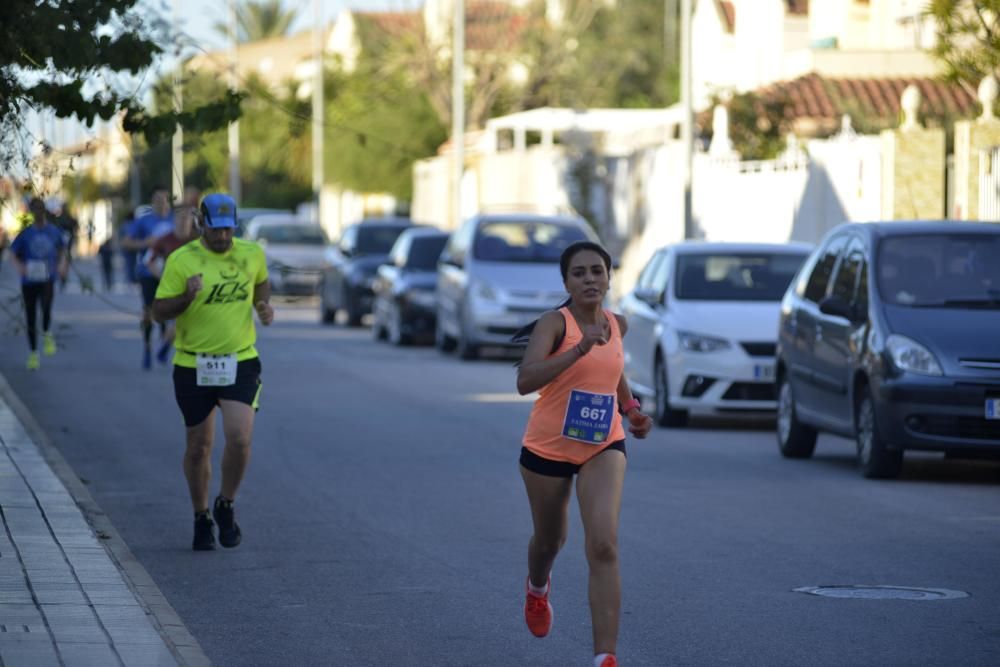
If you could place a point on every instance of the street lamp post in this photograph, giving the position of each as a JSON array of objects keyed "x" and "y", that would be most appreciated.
[
  {"x": 687, "y": 120},
  {"x": 458, "y": 110}
]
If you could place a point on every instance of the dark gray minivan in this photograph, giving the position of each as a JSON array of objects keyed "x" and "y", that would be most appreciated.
[{"x": 888, "y": 335}]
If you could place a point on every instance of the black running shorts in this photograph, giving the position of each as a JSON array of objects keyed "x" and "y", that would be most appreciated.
[
  {"x": 196, "y": 403},
  {"x": 550, "y": 468}
]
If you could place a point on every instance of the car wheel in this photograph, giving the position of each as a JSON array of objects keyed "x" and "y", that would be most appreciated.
[
  {"x": 664, "y": 414},
  {"x": 443, "y": 341},
  {"x": 795, "y": 439},
  {"x": 396, "y": 335},
  {"x": 353, "y": 309},
  {"x": 875, "y": 458},
  {"x": 378, "y": 329},
  {"x": 467, "y": 350}
]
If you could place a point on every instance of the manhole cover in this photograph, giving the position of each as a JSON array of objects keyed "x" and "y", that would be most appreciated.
[{"x": 883, "y": 592}]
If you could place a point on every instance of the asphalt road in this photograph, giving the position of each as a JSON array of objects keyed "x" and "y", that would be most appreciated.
[{"x": 385, "y": 522}]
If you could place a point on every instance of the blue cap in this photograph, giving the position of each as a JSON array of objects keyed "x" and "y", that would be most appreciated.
[{"x": 218, "y": 211}]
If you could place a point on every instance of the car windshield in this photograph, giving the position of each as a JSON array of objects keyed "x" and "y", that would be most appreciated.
[
  {"x": 948, "y": 270},
  {"x": 735, "y": 276},
  {"x": 424, "y": 252},
  {"x": 525, "y": 241},
  {"x": 292, "y": 234},
  {"x": 377, "y": 240}
]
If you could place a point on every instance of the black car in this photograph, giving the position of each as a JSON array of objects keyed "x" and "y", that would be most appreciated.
[
  {"x": 347, "y": 281},
  {"x": 888, "y": 335},
  {"x": 405, "y": 306}
]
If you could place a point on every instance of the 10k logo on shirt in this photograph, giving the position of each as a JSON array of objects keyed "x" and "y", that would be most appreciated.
[{"x": 231, "y": 291}]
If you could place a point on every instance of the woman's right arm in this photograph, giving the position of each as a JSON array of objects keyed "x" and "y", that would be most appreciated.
[{"x": 537, "y": 369}]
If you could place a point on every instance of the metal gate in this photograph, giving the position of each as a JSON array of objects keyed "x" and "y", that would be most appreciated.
[{"x": 989, "y": 184}]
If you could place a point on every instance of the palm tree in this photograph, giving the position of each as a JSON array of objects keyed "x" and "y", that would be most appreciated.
[{"x": 259, "y": 19}]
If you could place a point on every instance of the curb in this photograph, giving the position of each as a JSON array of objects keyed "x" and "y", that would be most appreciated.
[{"x": 175, "y": 634}]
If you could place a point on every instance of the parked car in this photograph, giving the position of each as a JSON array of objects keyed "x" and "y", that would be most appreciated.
[
  {"x": 296, "y": 251},
  {"x": 886, "y": 337},
  {"x": 703, "y": 321},
  {"x": 405, "y": 305},
  {"x": 244, "y": 216},
  {"x": 347, "y": 280},
  {"x": 499, "y": 272}
]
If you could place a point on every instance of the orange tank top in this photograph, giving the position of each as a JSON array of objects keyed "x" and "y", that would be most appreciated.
[{"x": 582, "y": 390}]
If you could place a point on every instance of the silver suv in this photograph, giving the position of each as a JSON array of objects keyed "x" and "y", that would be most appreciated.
[{"x": 499, "y": 272}]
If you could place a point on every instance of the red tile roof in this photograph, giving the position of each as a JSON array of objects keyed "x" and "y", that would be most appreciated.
[
  {"x": 729, "y": 13},
  {"x": 489, "y": 25},
  {"x": 393, "y": 23},
  {"x": 798, "y": 7},
  {"x": 492, "y": 26},
  {"x": 820, "y": 98}
]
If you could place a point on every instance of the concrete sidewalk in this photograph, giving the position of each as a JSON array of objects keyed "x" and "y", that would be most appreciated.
[{"x": 71, "y": 593}]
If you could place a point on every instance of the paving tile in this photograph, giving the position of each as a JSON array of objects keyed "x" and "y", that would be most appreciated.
[
  {"x": 23, "y": 614},
  {"x": 28, "y": 654},
  {"x": 87, "y": 655},
  {"x": 73, "y": 624},
  {"x": 146, "y": 656}
]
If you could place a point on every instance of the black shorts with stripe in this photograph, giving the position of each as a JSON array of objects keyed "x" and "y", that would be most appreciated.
[
  {"x": 550, "y": 468},
  {"x": 196, "y": 403}
]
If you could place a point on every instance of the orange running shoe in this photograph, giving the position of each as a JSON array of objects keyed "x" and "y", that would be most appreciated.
[
  {"x": 609, "y": 661},
  {"x": 538, "y": 612}
]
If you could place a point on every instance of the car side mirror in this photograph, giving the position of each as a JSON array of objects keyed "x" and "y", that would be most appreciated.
[
  {"x": 649, "y": 296},
  {"x": 838, "y": 307}
]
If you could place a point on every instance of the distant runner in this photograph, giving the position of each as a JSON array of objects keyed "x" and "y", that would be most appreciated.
[
  {"x": 184, "y": 231},
  {"x": 140, "y": 236},
  {"x": 39, "y": 255}
]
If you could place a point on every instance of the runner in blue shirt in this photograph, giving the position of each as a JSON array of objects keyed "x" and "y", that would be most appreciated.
[
  {"x": 141, "y": 235},
  {"x": 39, "y": 254}
]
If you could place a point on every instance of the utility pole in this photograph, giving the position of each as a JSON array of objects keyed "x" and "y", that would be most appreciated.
[
  {"x": 687, "y": 121},
  {"x": 671, "y": 49},
  {"x": 235, "y": 185},
  {"x": 458, "y": 110},
  {"x": 177, "y": 143},
  {"x": 317, "y": 106}
]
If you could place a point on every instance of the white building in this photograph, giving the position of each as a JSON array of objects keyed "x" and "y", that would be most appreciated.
[{"x": 743, "y": 45}]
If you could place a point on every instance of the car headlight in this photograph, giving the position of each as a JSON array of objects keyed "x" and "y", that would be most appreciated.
[
  {"x": 909, "y": 355},
  {"x": 482, "y": 290},
  {"x": 693, "y": 342}
]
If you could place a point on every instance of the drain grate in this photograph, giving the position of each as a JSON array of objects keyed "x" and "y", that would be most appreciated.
[{"x": 883, "y": 592}]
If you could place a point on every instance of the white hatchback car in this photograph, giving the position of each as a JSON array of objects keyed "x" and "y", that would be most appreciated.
[{"x": 703, "y": 326}]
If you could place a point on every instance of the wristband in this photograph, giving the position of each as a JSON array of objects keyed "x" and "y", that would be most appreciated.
[
  {"x": 630, "y": 405},
  {"x": 579, "y": 350}
]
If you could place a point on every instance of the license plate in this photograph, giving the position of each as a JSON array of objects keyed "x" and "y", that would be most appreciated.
[
  {"x": 993, "y": 408},
  {"x": 763, "y": 371}
]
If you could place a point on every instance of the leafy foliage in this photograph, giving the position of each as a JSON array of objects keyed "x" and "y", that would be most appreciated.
[
  {"x": 377, "y": 126},
  {"x": 69, "y": 55},
  {"x": 968, "y": 38},
  {"x": 602, "y": 55},
  {"x": 262, "y": 19},
  {"x": 758, "y": 124},
  {"x": 274, "y": 143}
]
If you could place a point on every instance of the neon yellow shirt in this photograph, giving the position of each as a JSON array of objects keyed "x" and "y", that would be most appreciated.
[{"x": 220, "y": 319}]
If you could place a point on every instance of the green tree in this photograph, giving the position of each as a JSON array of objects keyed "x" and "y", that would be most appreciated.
[
  {"x": 261, "y": 19},
  {"x": 274, "y": 143},
  {"x": 377, "y": 125},
  {"x": 69, "y": 57},
  {"x": 968, "y": 39},
  {"x": 602, "y": 56},
  {"x": 50, "y": 51}
]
